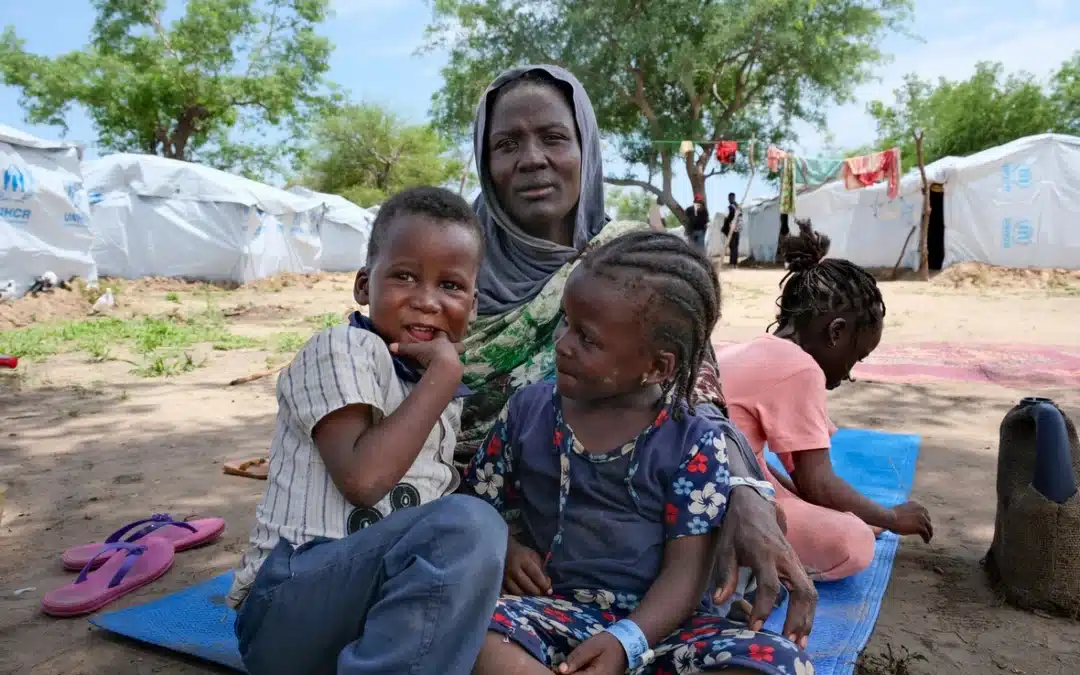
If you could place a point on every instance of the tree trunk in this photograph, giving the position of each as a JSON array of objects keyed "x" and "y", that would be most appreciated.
[
  {"x": 667, "y": 197},
  {"x": 924, "y": 223}
]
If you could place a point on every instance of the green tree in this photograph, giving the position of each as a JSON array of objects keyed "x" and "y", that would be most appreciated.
[
  {"x": 961, "y": 118},
  {"x": 659, "y": 71},
  {"x": 188, "y": 89},
  {"x": 1065, "y": 93},
  {"x": 366, "y": 153}
]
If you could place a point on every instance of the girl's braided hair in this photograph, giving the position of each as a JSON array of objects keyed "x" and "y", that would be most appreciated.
[
  {"x": 814, "y": 286},
  {"x": 686, "y": 297}
]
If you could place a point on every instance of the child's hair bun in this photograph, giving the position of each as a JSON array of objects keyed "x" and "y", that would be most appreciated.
[{"x": 805, "y": 250}]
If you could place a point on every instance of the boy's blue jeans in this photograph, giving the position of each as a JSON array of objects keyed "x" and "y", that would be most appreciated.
[{"x": 412, "y": 594}]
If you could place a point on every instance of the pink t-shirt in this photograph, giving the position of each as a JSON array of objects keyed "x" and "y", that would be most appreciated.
[{"x": 776, "y": 394}]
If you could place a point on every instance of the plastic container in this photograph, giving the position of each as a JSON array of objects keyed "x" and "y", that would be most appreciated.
[{"x": 8, "y": 361}]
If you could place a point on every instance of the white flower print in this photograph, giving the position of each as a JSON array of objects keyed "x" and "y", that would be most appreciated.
[
  {"x": 803, "y": 667},
  {"x": 739, "y": 633},
  {"x": 602, "y": 599},
  {"x": 707, "y": 500},
  {"x": 487, "y": 481},
  {"x": 720, "y": 445},
  {"x": 684, "y": 659},
  {"x": 713, "y": 660}
]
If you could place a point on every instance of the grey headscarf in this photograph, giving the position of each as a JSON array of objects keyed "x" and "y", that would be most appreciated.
[{"x": 516, "y": 265}]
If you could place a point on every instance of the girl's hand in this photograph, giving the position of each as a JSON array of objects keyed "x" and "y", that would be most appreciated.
[
  {"x": 912, "y": 518},
  {"x": 602, "y": 654},
  {"x": 524, "y": 571}
]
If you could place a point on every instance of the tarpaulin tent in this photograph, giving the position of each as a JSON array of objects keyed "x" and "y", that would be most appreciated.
[
  {"x": 344, "y": 232},
  {"x": 153, "y": 216},
  {"x": 43, "y": 210}
]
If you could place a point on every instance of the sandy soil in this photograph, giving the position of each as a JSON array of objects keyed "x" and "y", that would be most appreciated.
[{"x": 85, "y": 447}]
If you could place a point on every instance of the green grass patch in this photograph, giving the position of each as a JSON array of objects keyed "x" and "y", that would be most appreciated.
[
  {"x": 172, "y": 296},
  {"x": 159, "y": 340},
  {"x": 284, "y": 343},
  {"x": 324, "y": 321}
]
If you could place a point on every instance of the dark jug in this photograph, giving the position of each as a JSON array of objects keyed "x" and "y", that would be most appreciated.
[{"x": 1035, "y": 556}]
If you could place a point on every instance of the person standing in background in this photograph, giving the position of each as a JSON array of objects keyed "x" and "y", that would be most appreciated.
[
  {"x": 732, "y": 228},
  {"x": 697, "y": 223}
]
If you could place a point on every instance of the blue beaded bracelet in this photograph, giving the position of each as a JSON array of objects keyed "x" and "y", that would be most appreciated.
[{"x": 633, "y": 641}]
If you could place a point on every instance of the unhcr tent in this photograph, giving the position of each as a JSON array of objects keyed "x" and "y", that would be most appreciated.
[
  {"x": 1014, "y": 205},
  {"x": 43, "y": 210},
  {"x": 153, "y": 216},
  {"x": 344, "y": 232}
]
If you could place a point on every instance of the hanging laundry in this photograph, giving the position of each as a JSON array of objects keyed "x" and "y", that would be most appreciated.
[
  {"x": 725, "y": 151},
  {"x": 860, "y": 172},
  {"x": 815, "y": 171},
  {"x": 773, "y": 156},
  {"x": 686, "y": 148},
  {"x": 750, "y": 154},
  {"x": 787, "y": 185}
]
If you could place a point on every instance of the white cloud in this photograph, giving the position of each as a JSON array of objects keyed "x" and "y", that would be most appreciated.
[{"x": 1037, "y": 46}]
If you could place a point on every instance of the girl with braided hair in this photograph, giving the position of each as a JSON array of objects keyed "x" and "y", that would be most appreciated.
[
  {"x": 613, "y": 481},
  {"x": 831, "y": 315}
]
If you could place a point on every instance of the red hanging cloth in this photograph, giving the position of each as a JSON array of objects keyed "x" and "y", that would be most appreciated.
[{"x": 725, "y": 151}]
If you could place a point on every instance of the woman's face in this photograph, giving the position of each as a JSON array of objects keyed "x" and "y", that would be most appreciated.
[{"x": 534, "y": 159}]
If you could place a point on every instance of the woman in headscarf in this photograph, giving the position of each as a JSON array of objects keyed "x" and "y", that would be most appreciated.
[{"x": 537, "y": 148}]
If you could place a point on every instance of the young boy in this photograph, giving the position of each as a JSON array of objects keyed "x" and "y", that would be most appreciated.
[{"x": 361, "y": 560}]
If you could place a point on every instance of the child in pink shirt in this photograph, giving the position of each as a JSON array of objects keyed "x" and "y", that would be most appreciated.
[{"x": 831, "y": 317}]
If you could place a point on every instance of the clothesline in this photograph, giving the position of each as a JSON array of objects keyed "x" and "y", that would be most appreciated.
[{"x": 821, "y": 158}]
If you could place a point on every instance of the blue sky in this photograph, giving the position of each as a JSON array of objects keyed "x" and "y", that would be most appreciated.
[{"x": 376, "y": 40}]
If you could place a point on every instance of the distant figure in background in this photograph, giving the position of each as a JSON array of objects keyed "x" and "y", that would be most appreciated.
[
  {"x": 697, "y": 222},
  {"x": 732, "y": 228}
]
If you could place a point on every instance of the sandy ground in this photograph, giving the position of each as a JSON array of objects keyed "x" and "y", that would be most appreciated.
[{"x": 85, "y": 447}]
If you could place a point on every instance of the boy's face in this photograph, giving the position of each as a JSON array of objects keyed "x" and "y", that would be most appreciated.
[{"x": 422, "y": 281}]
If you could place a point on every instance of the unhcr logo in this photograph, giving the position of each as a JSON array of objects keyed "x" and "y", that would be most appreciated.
[
  {"x": 73, "y": 189},
  {"x": 17, "y": 185}
]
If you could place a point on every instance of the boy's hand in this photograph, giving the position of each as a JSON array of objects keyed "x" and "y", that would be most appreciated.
[
  {"x": 602, "y": 654},
  {"x": 438, "y": 353},
  {"x": 524, "y": 571},
  {"x": 912, "y": 518}
]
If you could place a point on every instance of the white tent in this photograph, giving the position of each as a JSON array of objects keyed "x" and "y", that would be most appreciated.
[
  {"x": 1014, "y": 205},
  {"x": 43, "y": 210},
  {"x": 153, "y": 216},
  {"x": 344, "y": 232}
]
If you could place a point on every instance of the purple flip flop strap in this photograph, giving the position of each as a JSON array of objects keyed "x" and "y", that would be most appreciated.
[
  {"x": 156, "y": 521},
  {"x": 133, "y": 551}
]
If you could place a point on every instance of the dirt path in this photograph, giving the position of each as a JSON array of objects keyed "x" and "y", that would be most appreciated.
[{"x": 87, "y": 446}]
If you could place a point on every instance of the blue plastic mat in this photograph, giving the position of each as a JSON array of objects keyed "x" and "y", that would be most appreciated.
[
  {"x": 882, "y": 467},
  {"x": 196, "y": 621}
]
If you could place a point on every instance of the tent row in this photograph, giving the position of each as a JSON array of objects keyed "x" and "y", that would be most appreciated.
[
  {"x": 134, "y": 216},
  {"x": 1016, "y": 205}
]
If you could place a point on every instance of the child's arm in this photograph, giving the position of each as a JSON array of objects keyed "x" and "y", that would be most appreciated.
[
  {"x": 696, "y": 502},
  {"x": 366, "y": 461},
  {"x": 817, "y": 483},
  {"x": 783, "y": 480}
]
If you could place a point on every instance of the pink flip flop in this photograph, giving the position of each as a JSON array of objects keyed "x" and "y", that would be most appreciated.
[
  {"x": 127, "y": 567},
  {"x": 183, "y": 534}
]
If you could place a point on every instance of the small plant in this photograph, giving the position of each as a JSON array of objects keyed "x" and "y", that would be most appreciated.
[
  {"x": 165, "y": 366},
  {"x": 285, "y": 343},
  {"x": 324, "y": 321},
  {"x": 172, "y": 296}
]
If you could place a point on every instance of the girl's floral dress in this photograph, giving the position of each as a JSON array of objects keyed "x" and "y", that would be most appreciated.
[{"x": 600, "y": 521}]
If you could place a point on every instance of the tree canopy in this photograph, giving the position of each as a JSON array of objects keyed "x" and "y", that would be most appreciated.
[
  {"x": 187, "y": 89},
  {"x": 659, "y": 71},
  {"x": 366, "y": 153},
  {"x": 986, "y": 110}
]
